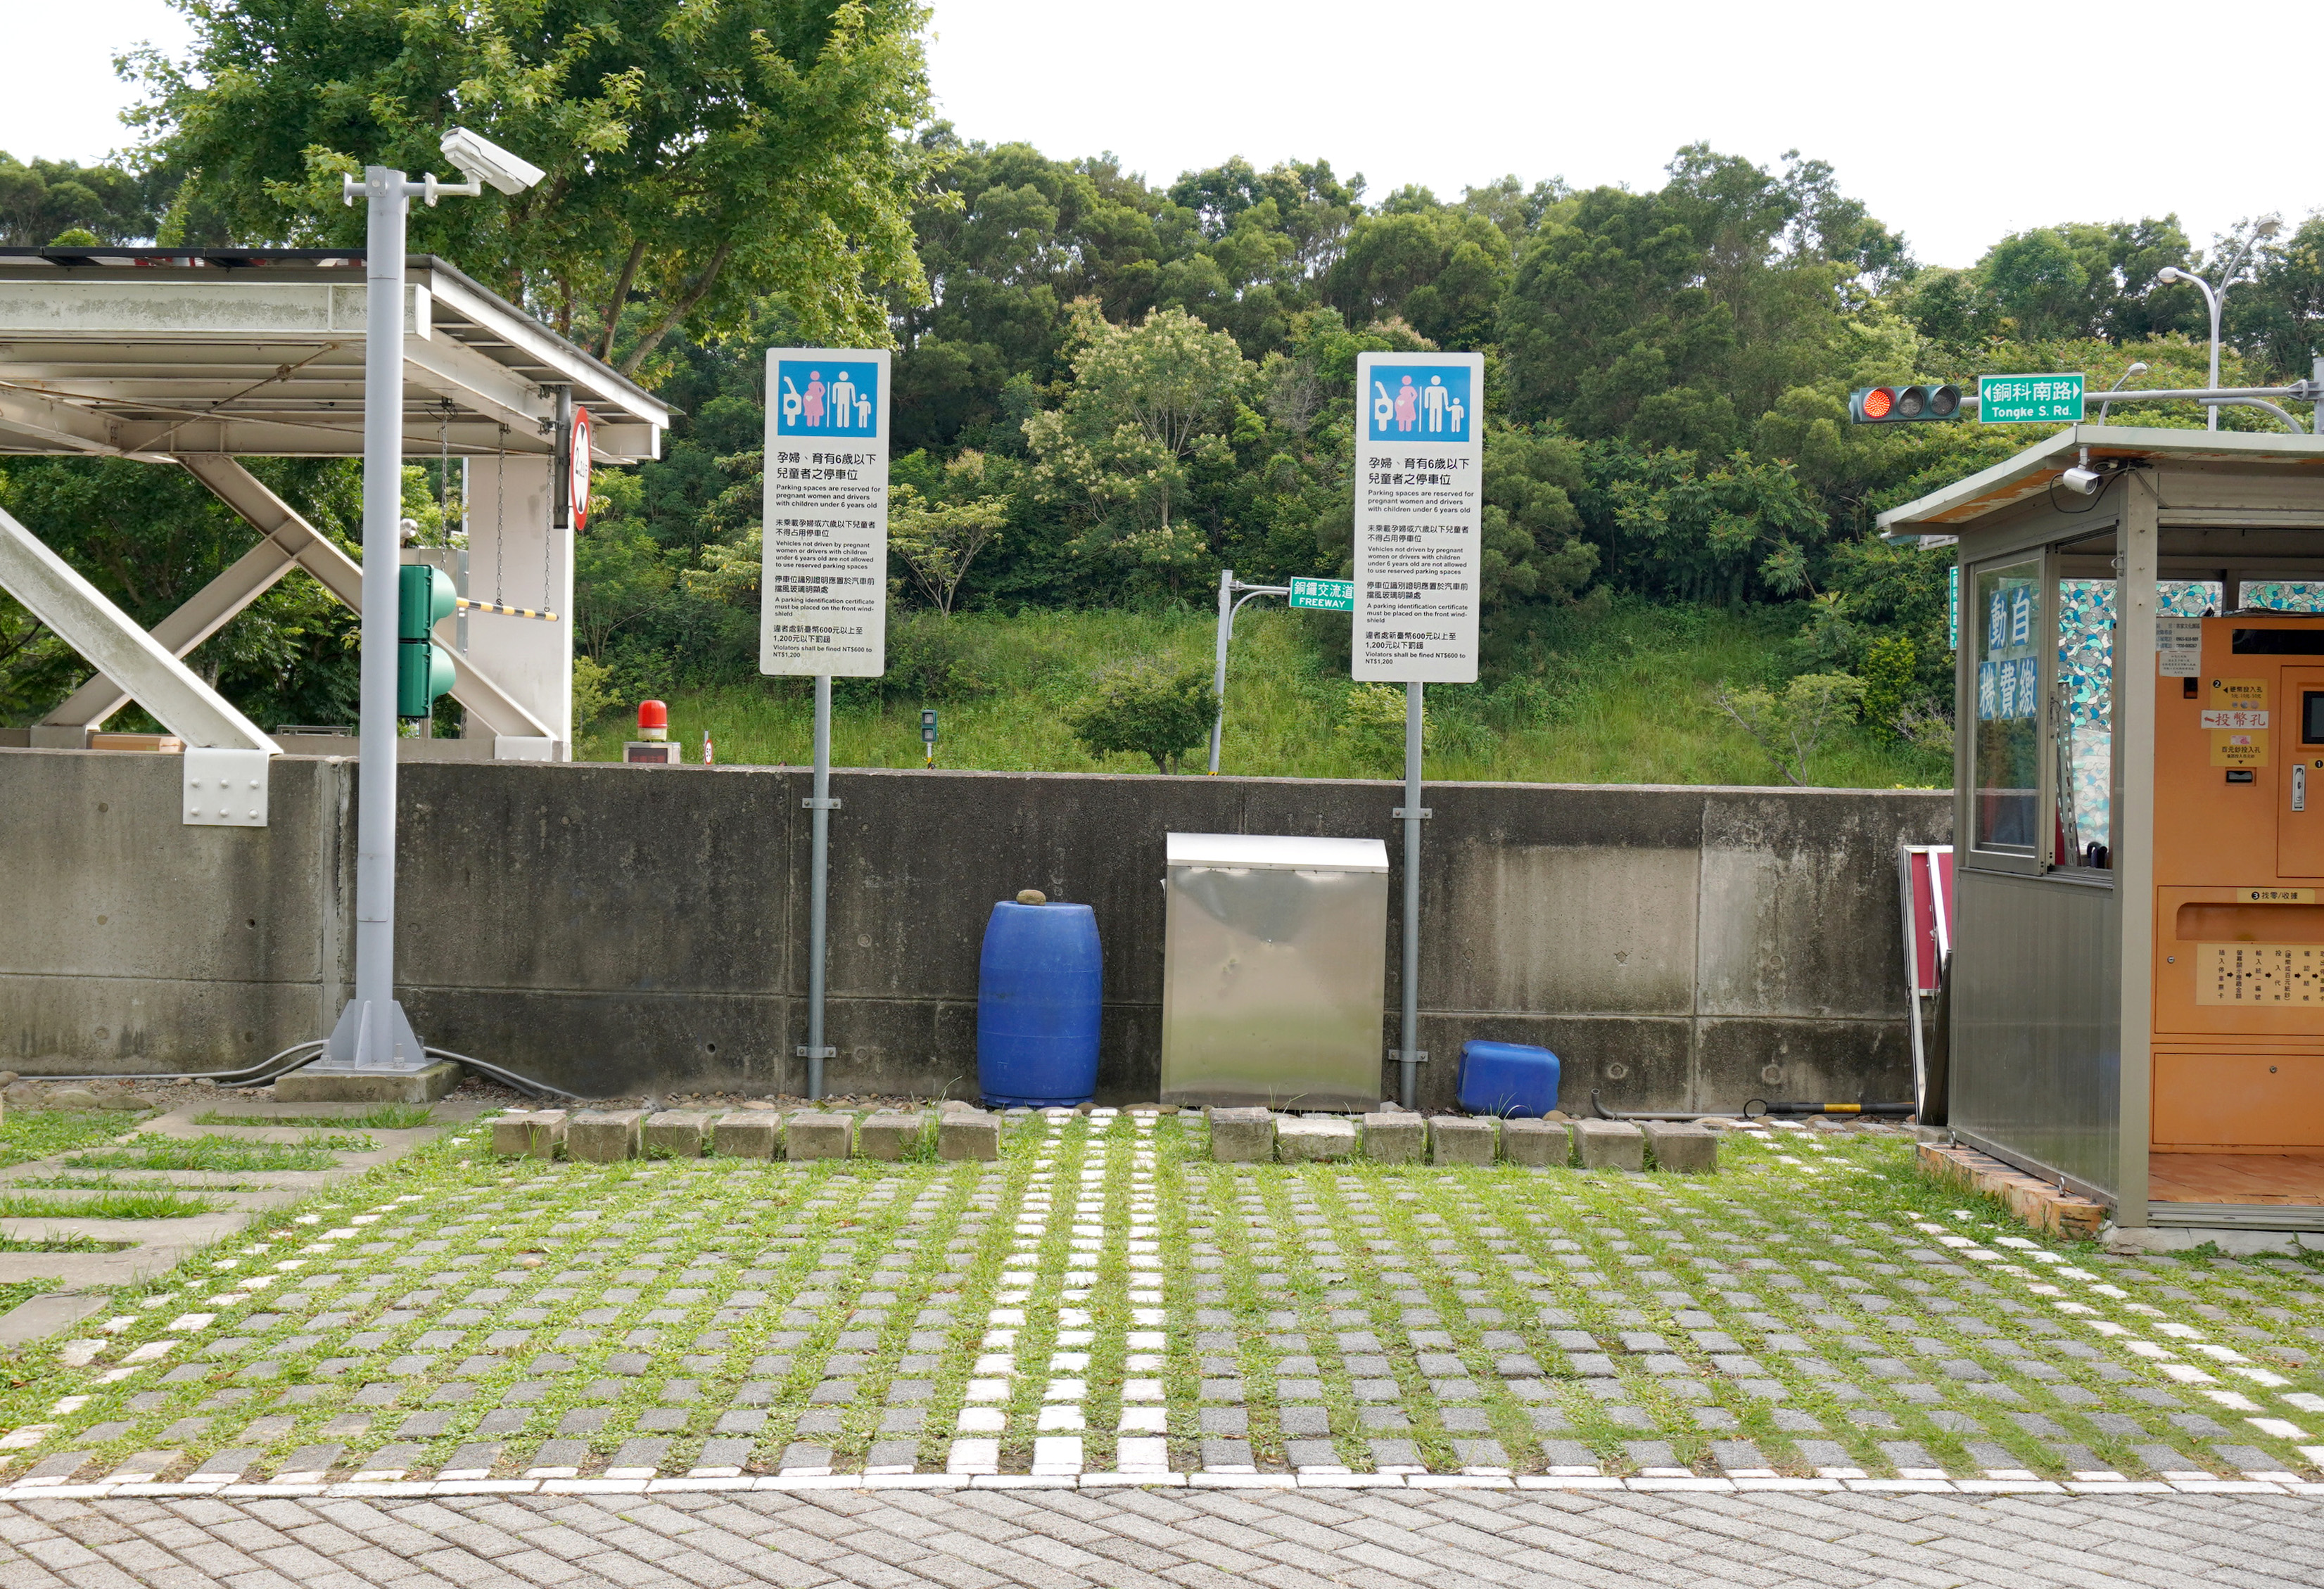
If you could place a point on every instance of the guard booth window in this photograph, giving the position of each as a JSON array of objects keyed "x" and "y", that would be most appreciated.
[
  {"x": 2081, "y": 726},
  {"x": 2006, "y": 745}
]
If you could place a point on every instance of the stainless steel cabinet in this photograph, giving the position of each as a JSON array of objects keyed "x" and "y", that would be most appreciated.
[{"x": 1274, "y": 971}]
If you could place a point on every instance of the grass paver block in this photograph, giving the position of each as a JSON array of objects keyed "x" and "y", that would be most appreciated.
[
  {"x": 676, "y": 1132},
  {"x": 817, "y": 1134},
  {"x": 747, "y": 1133},
  {"x": 1310, "y": 1138},
  {"x": 603, "y": 1137},
  {"x": 1462, "y": 1139},
  {"x": 1682, "y": 1146},
  {"x": 1536, "y": 1143},
  {"x": 1393, "y": 1137},
  {"x": 534, "y": 1134},
  {"x": 888, "y": 1136},
  {"x": 1242, "y": 1136},
  {"x": 970, "y": 1135},
  {"x": 1610, "y": 1144}
]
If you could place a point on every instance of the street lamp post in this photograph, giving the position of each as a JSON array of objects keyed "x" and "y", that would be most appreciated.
[{"x": 2211, "y": 299}]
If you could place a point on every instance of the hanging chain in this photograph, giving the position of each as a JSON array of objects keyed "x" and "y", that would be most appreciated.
[{"x": 500, "y": 519}]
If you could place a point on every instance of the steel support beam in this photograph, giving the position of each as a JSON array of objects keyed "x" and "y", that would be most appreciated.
[
  {"x": 80, "y": 614},
  {"x": 286, "y": 541}
]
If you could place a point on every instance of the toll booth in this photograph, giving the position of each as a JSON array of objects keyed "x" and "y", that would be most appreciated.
[{"x": 2137, "y": 976}]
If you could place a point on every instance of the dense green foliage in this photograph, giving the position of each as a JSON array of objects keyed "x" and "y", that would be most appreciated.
[{"x": 1106, "y": 388}]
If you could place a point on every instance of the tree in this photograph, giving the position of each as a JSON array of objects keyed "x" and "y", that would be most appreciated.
[
  {"x": 698, "y": 157},
  {"x": 1791, "y": 727},
  {"x": 1146, "y": 709},
  {"x": 938, "y": 540},
  {"x": 46, "y": 200},
  {"x": 1145, "y": 400}
]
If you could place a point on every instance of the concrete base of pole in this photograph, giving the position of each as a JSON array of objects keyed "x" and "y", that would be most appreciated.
[{"x": 309, "y": 1086}]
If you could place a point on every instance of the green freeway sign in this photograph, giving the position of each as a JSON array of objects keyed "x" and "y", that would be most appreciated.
[
  {"x": 2029, "y": 400},
  {"x": 1328, "y": 595}
]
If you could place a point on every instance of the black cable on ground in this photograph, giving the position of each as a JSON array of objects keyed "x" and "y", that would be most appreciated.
[
  {"x": 249, "y": 1075},
  {"x": 521, "y": 1083}
]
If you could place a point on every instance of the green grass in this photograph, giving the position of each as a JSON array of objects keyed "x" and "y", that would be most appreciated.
[
  {"x": 114, "y": 1183},
  {"x": 223, "y": 1154},
  {"x": 59, "y": 1244},
  {"x": 125, "y": 1205},
  {"x": 379, "y": 1117},
  {"x": 1621, "y": 698},
  {"x": 38, "y": 1133},
  {"x": 15, "y": 1293}
]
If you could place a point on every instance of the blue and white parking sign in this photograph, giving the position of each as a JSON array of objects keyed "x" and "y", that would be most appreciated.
[
  {"x": 1421, "y": 403},
  {"x": 828, "y": 399}
]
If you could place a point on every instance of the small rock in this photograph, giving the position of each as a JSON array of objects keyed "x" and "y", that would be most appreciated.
[
  {"x": 6, "y": 1076},
  {"x": 758, "y": 1103},
  {"x": 25, "y": 1095},
  {"x": 528, "y": 1260},
  {"x": 74, "y": 1097},
  {"x": 1031, "y": 897}
]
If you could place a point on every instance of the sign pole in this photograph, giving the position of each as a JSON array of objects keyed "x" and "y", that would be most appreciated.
[
  {"x": 823, "y": 585},
  {"x": 1412, "y": 813},
  {"x": 1219, "y": 666},
  {"x": 818, "y": 880},
  {"x": 1419, "y": 515}
]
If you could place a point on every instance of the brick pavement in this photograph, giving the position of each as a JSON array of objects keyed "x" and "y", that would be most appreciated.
[{"x": 1061, "y": 1538}]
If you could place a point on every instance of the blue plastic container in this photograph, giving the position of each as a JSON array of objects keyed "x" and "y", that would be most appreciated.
[
  {"x": 1514, "y": 1081},
  {"x": 1038, "y": 993}
]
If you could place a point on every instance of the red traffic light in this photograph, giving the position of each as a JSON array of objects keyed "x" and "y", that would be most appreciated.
[{"x": 1902, "y": 405}]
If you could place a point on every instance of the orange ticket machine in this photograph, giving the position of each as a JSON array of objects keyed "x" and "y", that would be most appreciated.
[{"x": 2238, "y": 981}]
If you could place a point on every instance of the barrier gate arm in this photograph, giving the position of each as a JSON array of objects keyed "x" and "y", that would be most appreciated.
[
  {"x": 81, "y": 616},
  {"x": 286, "y": 541}
]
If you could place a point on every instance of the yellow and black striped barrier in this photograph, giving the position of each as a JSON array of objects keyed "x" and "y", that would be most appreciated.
[{"x": 506, "y": 611}]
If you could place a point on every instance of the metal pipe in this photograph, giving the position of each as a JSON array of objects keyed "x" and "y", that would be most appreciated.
[
  {"x": 2289, "y": 423},
  {"x": 1411, "y": 1027},
  {"x": 818, "y": 874},
  {"x": 383, "y": 554},
  {"x": 2301, "y": 389}
]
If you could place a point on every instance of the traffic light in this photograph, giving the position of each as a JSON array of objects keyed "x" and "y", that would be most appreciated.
[
  {"x": 1904, "y": 405},
  {"x": 423, "y": 669}
]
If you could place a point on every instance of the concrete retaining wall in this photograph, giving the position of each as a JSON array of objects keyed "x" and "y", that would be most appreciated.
[{"x": 619, "y": 929}]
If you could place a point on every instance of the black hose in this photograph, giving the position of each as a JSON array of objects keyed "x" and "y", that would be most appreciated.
[
  {"x": 521, "y": 1083},
  {"x": 249, "y": 1075}
]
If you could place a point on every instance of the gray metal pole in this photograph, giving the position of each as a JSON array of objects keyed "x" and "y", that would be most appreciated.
[
  {"x": 818, "y": 876},
  {"x": 382, "y": 555},
  {"x": 1219, "y": 668},
  {"x": 1412, "y": 820}
]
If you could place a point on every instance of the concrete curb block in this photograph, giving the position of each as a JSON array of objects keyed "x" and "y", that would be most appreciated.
[{"x": 415, "y": 1489}]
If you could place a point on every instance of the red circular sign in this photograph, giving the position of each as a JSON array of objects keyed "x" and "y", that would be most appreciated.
[{"x": 578, "y": 479}]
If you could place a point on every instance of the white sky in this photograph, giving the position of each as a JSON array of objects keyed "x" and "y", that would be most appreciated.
[{"x": 1898, "y": 97}]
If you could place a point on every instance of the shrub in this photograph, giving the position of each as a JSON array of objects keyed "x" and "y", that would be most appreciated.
[
  {"x": 1146, "y": 708},
  {"x": 1790, "y": 727},
  {"x": 1371, "y": 725}
]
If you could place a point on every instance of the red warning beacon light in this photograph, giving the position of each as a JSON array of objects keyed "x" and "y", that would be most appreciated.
[{"x": 653, "y": 720}]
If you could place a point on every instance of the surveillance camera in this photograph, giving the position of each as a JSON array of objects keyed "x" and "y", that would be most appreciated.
[
  {"x": 480, "y": 160},
  {"x": 2082, "y": 479}
]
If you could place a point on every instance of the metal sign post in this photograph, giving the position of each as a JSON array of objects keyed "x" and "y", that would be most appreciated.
[
  {"x": 1232, "y": 595},
  {"x": 822, "y": 586},
  {"x": 1420, "y": 457}
]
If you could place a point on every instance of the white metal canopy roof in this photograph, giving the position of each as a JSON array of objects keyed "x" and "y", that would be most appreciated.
[
  {"x": 158, "y": 353},
  {"x": 1931, "y": 518}
]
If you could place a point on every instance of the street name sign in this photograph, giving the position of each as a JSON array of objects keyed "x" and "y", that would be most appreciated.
[
  {"x": 822, "y": 586},
  {"x": 1325, "y": 596},
  {"x": 2029, "y": 400},
  {"x": 1420, "y": 455}
]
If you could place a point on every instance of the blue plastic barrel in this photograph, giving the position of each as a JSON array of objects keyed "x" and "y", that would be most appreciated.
[
  {"x": 1514, "y": 1081},
  {"x": 1038, "y": 993}
]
